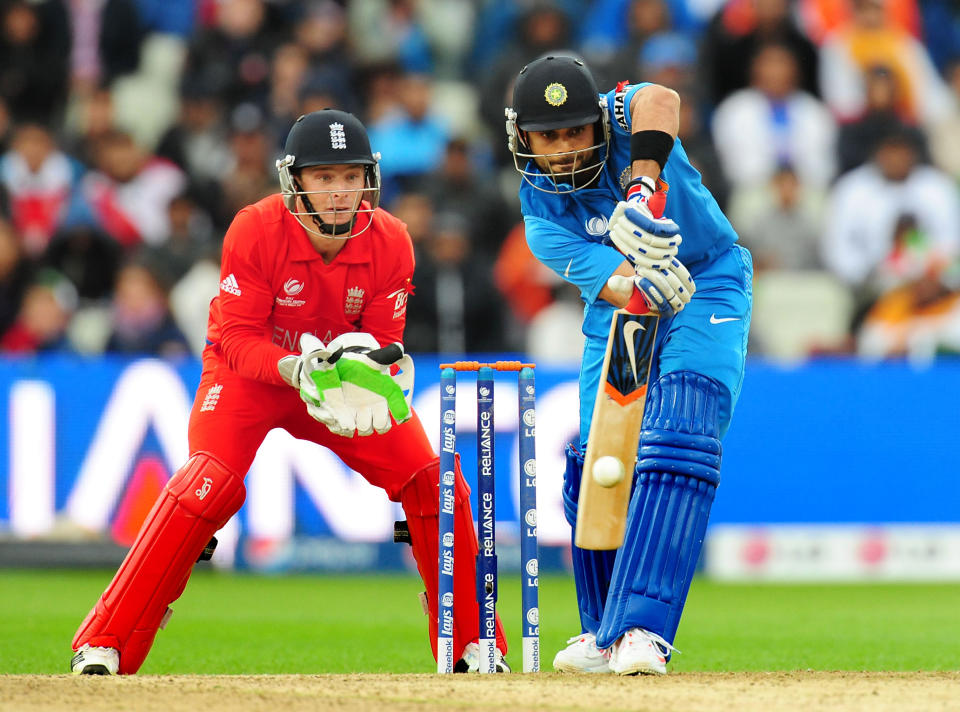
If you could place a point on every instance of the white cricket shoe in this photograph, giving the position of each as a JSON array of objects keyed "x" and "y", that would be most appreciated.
[
  {"x": 582, "y": 655},
  {"x": 640, "y": 652},
  {"x": 91, "y": 660},
  {"x": 470, "y": 661}
]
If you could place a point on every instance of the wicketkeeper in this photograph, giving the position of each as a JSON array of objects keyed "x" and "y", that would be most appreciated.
[{"x": 320, "y": 267}]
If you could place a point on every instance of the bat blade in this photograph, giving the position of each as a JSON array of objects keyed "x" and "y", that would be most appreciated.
[{"x": 615, "y": 428}]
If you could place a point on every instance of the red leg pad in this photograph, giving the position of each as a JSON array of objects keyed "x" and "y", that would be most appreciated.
[
  {"x": 198, "y": 500},
  {"x": 420, "y": 501}
]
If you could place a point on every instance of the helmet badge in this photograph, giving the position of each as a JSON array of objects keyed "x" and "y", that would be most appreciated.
[
  {"x": 338, "y": 139},
  {"x": 555, "y": 94}
]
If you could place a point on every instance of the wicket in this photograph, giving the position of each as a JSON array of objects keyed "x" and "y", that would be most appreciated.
[{"x": 486, "y": 515}]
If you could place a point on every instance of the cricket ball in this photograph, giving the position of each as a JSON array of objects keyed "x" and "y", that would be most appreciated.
[{"x": 607, "y": 471}]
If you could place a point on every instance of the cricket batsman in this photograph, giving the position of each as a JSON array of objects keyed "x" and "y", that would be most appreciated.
[
  {"x": 597, "y": 170},
  {"x": 306, "y": 335}
]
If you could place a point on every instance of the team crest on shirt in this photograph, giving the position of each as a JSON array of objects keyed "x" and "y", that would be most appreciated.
[
  {"x": 625, "y": 176},
  {"x": 354, "y": 302},
  {"x": 292, "y": 287},
  {"x": 596, "y": 226}
]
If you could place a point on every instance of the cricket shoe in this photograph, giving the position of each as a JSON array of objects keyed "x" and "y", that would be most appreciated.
[
  {"x": 470, "y": 662},
  {"x": 91, "y": 660},
  {"x": 582, "y": 655},
  {"x": 640, "y": 652}
]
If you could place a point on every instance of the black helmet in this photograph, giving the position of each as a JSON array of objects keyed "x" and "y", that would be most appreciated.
[
  {"x": 555, "y": 92},
  {"x": 326, "y": 138}
]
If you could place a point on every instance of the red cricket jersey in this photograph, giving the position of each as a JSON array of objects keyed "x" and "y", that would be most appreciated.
[{"x": 274, "y": 286}]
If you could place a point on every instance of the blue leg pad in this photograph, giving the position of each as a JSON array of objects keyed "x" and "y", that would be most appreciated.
[
  {"x": 677, "y": 475},
  {"x": 592, "y": 570}
]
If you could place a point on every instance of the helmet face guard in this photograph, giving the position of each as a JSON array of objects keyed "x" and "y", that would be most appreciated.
[
  {"x": 329, "y": 138},
  {"x": 365, "y": 202},
  {"x": 587, "y": 162},
  {"x": 557, "y": 92}
]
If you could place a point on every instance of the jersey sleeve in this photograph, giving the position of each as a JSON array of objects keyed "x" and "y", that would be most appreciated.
[
  {"x": 582, "y": 262},
  {"x": 618, "y": 106},
  {"x": 246, "y": 303},
  {"x": 386, "y": 314}
]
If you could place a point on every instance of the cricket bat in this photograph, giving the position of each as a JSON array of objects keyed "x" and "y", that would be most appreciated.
[{"x": 615, "y": 429}]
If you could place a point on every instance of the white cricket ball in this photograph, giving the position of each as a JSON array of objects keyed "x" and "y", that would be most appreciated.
[{"x": 607, "y": 471}]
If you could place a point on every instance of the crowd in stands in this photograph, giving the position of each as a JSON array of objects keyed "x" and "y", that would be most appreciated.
[{"x": 131, "y": 131}]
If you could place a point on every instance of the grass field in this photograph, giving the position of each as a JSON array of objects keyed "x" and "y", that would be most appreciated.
[{"x": 232, "y": 624}]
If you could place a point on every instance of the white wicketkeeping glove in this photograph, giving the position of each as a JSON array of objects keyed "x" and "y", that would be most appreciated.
[
  {"x": 377, "y": 398},
  {"x": 314, "y": 374},
  {"x": 650, "y": 243}
]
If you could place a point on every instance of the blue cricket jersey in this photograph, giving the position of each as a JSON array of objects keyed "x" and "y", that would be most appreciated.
[{"x": 569, "y": 233}]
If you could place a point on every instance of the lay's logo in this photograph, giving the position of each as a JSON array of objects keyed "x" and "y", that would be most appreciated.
[{"x": 292, "y": 287}]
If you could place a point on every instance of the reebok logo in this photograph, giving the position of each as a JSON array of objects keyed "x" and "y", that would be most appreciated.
[
  {"x": 230, "y": 286},
  {"x": 715, "y": 320}
]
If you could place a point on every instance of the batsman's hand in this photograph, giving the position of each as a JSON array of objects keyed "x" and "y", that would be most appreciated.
[
  {"x": 641, "y": 233},
  {"x": 650, "y": 243},
  {"x": 314, "y": 374},
  {"x": 377, "y": 396}
]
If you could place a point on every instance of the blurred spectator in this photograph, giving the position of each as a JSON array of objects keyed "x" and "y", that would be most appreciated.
[
  {"x": 288, "y": 73},
  {"x": 234, "y": 54},
  {"x": 774, "y": 122},
  {"x": 941, "y": 31},
  {"x": 869, "y": 40},
  {"x": 190, "y": 240},
  {"x": 780, "y": 223},
  {"x": 858, "y": 138},
  {"x": 455, "y": 308},
  {"x": 106, "y": 37},
  {"x": 88, "y": 257},
  {"x": 543, "y": 27},
  {"x": 699, "y": 147},
  {"x": 320, "y": 30},
  {"x": 416, "y": 210},
  {"x": 34, "y": 49},
  {"x": 41, "y": 325},
  {"x": 821, "y": 17},
  {"x": 38, "y": 178},
  {"x": 615, "y": 61},
  {"x": 198, "y": 144},
  {"x": 168, "y": 16},
  {"x": 15, "y": 274},
  {"x": 89, "y": 119},
  {"x": 526, "y": 284},
  {"x": 919, "y": 319},
  {"x": 412, "y": 137},
  {"x": 252, "y": 174},
  {"x": 666, "y": 58},
  {"x": 140, "y": 317},
  {"x": 737, "y": 33},
  {"x": 867, "y": 203},
  {"x": 555, "y": 334},
  {"x": 458, "y": 187},
  {"x": 130, "y": 190},
  {"x": 390, "y": 30},
  {"x": 945, "y": 134}
]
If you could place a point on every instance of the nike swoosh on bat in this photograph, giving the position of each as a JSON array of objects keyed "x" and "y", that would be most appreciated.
[
  {"x": 566, "y": 272},
  {"x": 715, "y": 320},
  {"x": 629, "y": 330}
]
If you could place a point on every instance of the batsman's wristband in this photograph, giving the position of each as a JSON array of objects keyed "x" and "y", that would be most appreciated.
[{"x": 651, "y": 145}]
